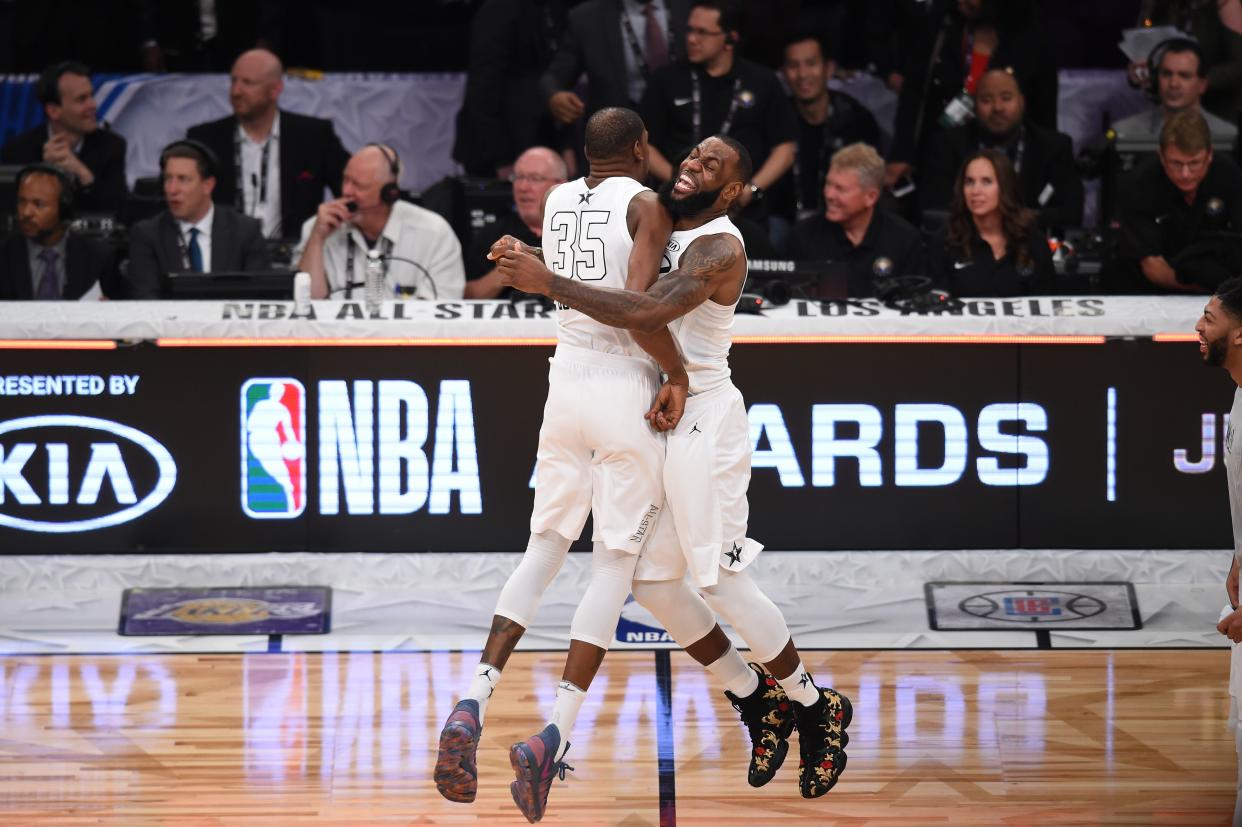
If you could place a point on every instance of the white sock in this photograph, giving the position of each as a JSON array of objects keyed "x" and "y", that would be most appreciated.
[
  {"x": 569, "y": 700},
  {"x": 731, "y": 670},
  {"x": 483, "y": 685},
  {"x": 799, "y": 686}
]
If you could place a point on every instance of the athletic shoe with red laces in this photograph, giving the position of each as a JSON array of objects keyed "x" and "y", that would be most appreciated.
[
  {"x": 457, "y": 775},
  {"x": 821, "y": 740},
  {"x": 768, "y": 715},
  {"x": 535, "y": 765}
]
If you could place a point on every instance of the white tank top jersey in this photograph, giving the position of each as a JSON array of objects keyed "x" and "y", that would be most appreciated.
[
  {"x": 586, "y": 237},
  {"x": 706, "y": 332},
  {"x": 1233, "y": 469}
]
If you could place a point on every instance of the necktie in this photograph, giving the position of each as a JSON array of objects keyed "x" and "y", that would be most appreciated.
[
  {"x": 49, "y": 282},
  {"x": 196, "y": 252},
  {"x": 657, "y": 41}
]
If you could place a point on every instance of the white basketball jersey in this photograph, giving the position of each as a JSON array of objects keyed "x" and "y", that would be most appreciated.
[
  {"x": 706, "y": 332},
  {"x": 586, "y": 237}
]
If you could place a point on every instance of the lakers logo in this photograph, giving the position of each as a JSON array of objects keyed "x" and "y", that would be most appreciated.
[{"x": 227, "y": 611}]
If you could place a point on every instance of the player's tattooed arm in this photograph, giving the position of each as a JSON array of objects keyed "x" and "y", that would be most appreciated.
[{"x": 709, "y": 263}]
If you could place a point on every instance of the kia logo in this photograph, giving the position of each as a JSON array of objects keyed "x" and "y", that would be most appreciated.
[{"x": 67, "y": 469}]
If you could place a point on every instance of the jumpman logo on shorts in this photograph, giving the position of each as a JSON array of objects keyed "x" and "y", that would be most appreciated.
[
  {"x": 734, "y": 556},
  {"x": 585, "y": 198},
  {"x": 695, "y": 429}
]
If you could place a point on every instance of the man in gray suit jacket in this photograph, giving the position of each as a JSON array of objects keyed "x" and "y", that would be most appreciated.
[
  {"x": 618, "y": 43},
  {"x": 193, "y": 234}
]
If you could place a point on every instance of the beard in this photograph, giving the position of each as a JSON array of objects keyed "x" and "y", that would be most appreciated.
[
  {"x": 691, "y": 206},
  {"x": 1217, "y": 349}
]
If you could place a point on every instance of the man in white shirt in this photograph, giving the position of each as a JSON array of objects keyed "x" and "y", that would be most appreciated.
[
  {"x": 193, "y": 234},
  {"x": 421, "y": 254}
]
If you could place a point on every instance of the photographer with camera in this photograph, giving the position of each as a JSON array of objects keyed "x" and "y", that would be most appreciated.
[{"x": 869, "y": 240}]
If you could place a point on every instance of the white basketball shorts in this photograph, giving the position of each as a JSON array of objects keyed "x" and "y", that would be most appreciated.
[
  {"x": 596, "y": 452},
  {"x": 706, "y": 474}
]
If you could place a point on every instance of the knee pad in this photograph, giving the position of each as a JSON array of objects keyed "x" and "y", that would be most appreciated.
[
  {"x": 595, "y": 621},
  {"x": 519, "y": 599},
  {"x": 751, "y": 613},
  {"x": 679, "y": 608}
]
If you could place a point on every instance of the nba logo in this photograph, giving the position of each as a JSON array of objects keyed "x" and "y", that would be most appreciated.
[{"x": 273, "y": 448}]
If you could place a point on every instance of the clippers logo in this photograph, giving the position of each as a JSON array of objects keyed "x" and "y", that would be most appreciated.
[{"x": 273, "y": 448}]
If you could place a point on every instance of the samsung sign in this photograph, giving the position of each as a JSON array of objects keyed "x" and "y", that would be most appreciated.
[{"x": 66, "y": 462}]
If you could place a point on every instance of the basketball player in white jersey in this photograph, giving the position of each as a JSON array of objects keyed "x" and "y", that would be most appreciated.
[
  {"x": 1220, "y": 342},
  {"x": 707, "y": 471},
  {"x": 596, "y": 453}
]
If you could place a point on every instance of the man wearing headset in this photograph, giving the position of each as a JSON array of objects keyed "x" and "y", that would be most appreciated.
[
  {"x": 420, "y": 253},
  {"x": 44, "y": 261},
  {"x": 1178, "y": 81},
  {"x": 193, "y": 234}
]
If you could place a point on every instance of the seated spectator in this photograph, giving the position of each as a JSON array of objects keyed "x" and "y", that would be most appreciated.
[
  {"x": 1217, "y": 28},
  {"x": 193, "y": 234},
  {"x": 536, "y": 171},
  {"x": 421, "y": 253},
  {"x": 854, "y": 230},
  {"x": 73, "y": 139},
  {"x": 43, "y": 260},
  {"x": 1180, "y": 215},
  {"x": 617, "y": 45},
  {"x": 965, "y": 38},
  {"x": 826, "y": 122},
  {"x": 286, "y": 159},
  {"x": 714, "y": 92},
  {"x": 992, "y": 245},
  {"x": 512, "y": 42},
  {"x": 1043, "y": 158},
  {"x": 1179, "y": 79}
]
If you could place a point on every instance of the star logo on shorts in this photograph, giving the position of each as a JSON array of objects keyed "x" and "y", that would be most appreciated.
[
  {"x": 734, "y": 556},
  {"x": 805, "y": 679},
  {"x": 585, "y": 198}
]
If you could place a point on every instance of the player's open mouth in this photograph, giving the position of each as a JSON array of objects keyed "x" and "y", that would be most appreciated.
[{"x": 685, "y": 184}]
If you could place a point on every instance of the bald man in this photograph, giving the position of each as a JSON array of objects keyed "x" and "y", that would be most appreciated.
[
  {"x": 536, "y": 171},
  {"x": 1043, "y": 158},
  {"x": 274, "y": 164},
  {"x": 420, "y": 253}
]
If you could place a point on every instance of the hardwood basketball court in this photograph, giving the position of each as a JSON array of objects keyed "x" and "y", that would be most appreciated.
[{"x": 966, "y": 737}]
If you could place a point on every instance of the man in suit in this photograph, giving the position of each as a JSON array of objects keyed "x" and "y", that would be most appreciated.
[
  {"x": 44, "y": 260},
  {"x": 618, "y": 45},
  {"x": 273, "y": 164},
  {"x": 1043, "y": 158},
  {"x": 73, "y": 140},
  {"x": 193, "y": 234}
]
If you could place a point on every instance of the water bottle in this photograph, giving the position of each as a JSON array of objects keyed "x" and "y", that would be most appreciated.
[
  {"x": 373, "y": 294},
  {"x": 301, "y": 294}
]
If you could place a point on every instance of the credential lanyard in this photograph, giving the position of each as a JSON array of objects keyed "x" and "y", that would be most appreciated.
[
  {"x": 240, "y": 198},
  {"x": 696, "y": 98},
  {"x": 631, "y": 37}
]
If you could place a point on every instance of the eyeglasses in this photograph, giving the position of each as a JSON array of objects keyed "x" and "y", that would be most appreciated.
[
  {"x": 531, "y": 179},
  {"x": 1191, "y": 166},
  {"x": 703, "y": 32}
]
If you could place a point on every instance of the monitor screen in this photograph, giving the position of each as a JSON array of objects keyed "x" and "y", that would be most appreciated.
[{"x": 277, "y": 285}]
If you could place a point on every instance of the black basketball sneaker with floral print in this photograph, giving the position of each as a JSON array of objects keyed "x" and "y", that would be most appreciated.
[
  {"x": 768, "y": 715},
  {"x": 821, "y": 741}
]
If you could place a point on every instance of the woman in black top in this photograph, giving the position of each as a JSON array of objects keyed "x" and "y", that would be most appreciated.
[{"x": 992, "y": 245}]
